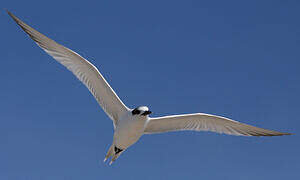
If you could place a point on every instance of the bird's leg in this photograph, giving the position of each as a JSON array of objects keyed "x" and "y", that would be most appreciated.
[{"x": 109, "y": 153}]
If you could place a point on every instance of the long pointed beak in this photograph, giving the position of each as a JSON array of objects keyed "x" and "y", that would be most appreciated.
[{"x": 146, "y": 113}]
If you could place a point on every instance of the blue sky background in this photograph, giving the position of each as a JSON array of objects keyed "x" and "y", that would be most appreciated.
[{"x": 239, "y": 59}]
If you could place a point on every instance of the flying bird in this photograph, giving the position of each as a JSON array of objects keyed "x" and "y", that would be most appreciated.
[{"x": 131, "y": 124}]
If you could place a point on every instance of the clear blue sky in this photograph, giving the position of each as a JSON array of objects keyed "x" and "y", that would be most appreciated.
[{"x": 239, "y": 59}]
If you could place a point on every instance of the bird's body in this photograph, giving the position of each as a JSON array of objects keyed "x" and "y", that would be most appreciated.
[
  {"x": 130, "y": 129},
  {"x": 131, "y": 124}
]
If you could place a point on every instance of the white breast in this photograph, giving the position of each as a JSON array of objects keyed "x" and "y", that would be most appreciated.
[{"x": 129, "y": 130}]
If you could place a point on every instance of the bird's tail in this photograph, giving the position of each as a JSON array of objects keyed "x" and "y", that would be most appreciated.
[
  {"x": 115, "y": 156},
  {"x": 111, "y": 153}
]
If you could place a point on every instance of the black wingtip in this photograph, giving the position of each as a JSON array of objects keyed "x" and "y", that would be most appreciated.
[
  {"x": 283, "y": 134},
  {"x": 8, "y": 12},
  {"x": 289, "y": 133},
  {"x": 17, "y": 20}
]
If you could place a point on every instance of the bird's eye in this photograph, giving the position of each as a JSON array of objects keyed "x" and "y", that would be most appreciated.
[{"x": 135, "y": 111}]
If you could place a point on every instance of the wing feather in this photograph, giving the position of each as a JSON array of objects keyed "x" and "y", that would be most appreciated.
[
  {"x": 205, "y": 122},
  {"x": 86, "y": 72}
]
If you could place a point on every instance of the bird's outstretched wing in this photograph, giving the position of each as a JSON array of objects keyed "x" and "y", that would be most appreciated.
[
  {"x": 86, "y": 72},
  {"x": 205, "y": 122}
]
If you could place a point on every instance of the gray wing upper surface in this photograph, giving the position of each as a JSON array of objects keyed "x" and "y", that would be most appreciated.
[
  {"x": 205, "y": 122},
  {"x": 86, "y": 72}
]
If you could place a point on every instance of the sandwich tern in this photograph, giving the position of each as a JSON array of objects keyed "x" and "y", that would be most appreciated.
[{"x": 131, "y": 124}]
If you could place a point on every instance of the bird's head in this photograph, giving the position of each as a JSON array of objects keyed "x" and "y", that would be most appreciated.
[{"x": 141, "y": 110}]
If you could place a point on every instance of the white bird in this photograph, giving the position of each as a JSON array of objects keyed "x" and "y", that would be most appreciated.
[{"x": 131, "y": 124}]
